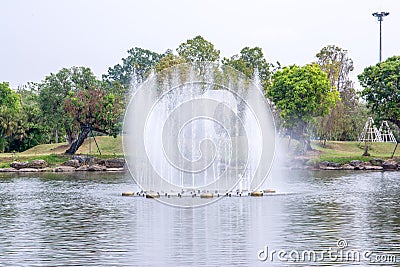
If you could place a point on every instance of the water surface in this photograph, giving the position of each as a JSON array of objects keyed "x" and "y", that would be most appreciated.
[{"x": 82, "y": 220}]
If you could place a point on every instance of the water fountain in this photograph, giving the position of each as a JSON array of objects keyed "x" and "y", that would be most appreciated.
[{"x": 198, "y": 129}]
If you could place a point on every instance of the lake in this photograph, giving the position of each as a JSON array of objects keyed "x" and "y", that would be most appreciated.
[{"x": 82, "y": 220}]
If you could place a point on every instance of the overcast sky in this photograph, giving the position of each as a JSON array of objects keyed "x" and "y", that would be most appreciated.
[{"x": 39, "y": 37}]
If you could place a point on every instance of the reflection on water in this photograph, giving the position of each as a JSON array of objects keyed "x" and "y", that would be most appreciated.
[{"x": 72, "y": 220}]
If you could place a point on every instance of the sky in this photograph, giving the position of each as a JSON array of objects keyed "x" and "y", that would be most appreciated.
[{"x": 39, "y": 37}]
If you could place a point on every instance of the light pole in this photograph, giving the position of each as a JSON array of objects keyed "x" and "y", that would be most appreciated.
[{"x": 380, "y": 19}]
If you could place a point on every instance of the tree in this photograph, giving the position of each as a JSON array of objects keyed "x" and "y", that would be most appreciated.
[
  {"x": 198, "y": 50},
  {"x": 30, "y": 130},
  {"x": 382, "y": 89},
  {"x": 248, "y": 61},
  {"x": 169, "y": 60},
  {"x": 335, "y": 62},
  {"x": 9, "y": 108},
  {"x": 300, "y": 94},
  {"x": 137, "y": 64},
  {"x": 342, "y": 123},
  {"x": 53, "y": 92},
  {"x": 94, "y": 109}
]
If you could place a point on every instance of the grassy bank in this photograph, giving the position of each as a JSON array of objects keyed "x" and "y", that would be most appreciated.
[
  {"x": 54, "y": 153},
  {"x": 343, "y": 152},
  {"x": 333, "y": 151}
]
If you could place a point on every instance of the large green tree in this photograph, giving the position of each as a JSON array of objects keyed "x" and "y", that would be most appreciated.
[
  {"x": 54, "y": 90},
  {"x": 249, "y": 61},
  {"x": 300, "y": 94},
  {"x": 94, "y": 109},
  {"x": 198, "y": 49},
  {"x": 381, "y": 84}
]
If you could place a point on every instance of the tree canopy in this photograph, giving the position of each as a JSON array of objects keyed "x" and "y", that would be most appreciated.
[
  {"x": 346, "y": 119},
  {"x": 69, "y": 103},
  {"x": 198, "y": 49},
  {"x": 53, "y": 92},
  {"x": 9, "y": 108},
  {"x": 250, "y": 60},
  {"x": 300, "y": 94},
  {"x": 382, "y": 89},
  {"x": 74, "y": 102},
  {"x": 137, "y": 64}
]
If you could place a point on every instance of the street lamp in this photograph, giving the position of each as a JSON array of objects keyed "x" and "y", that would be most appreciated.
[{"x": 380, "y": 19}]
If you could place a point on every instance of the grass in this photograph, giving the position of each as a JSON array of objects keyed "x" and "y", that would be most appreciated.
[
  {"x": 342, "y": 152},
  {"x": 339, "y": 151},
  {"x": 54, "y": 153},
  {"x": 334, "y": 151}
]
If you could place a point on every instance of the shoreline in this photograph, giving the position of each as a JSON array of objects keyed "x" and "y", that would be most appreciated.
[
  {"x": 80, "y": 163},
  {"x": 77, "y": 163}
]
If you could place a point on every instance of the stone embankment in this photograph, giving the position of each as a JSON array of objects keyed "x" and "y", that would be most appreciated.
[
  {"x": 77, "y": 163},
  {"x": 375, "y": 164}
]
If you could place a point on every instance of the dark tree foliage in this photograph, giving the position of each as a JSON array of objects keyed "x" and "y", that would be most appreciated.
[{"x": 137, "y": 64}]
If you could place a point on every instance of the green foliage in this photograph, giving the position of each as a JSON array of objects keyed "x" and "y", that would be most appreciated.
[
  {"x": 53, "y": 92},
  {"x": 250, "y": 60},
  {"x": 382, "y": 89},
  {"x": 198, "y": 50},
  {"x": 9, "y": 109},
  {"x": 337, "y": 65},
  {"x": 30, "y": 131},
  {"x": 96, "y": 108},
  {"x": 73, "y": 99},
  {"x": 169, "y": 60},
  {"x": 346, "y": 119},
  {"x": 137, "y": 64},
  {"x": 300, "y": 94}
]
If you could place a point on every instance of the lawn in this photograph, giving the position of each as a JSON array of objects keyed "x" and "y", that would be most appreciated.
[
  {"x": 54, "y": 153},
  {"x": 334, "y": 151},
  {"x": 341, "y": 152}
]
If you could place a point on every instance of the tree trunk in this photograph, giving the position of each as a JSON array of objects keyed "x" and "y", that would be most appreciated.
[
  {"x": 79, "y": 141},
  {"x": 306, "y": 138},
  {"x": 72, "y": 136},
  {"x": 56, "y": 136},
  {"x": 307, "y": 144}
]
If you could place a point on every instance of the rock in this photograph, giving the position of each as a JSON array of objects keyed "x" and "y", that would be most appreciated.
[
  {"x": 355, "y": 163},
  {"x": 96, "y": 167},
  {"x": 72, "y": 163},
  {"x": 334, "y": 164},
  {"x": 28, "y": 170},
  {"x": 19, "y": 165},
  {"x": 376, "y": 162},
  {"x": 390, "y": 165},
  {"x": 81, "y": 159},
  {"x": 8, "y": 170},
  {"x": 83, "y": 168},
  {"x": 326, "y": 165},
  {"x": 47, "y": 169},
  {"x": 347, "y": 167},
  {"x": 115, "y": 169},
  {"x": 64, "y": 169},
  {"x": 323, "y": 164},
  {"x": 115, "y": 163},
  {"x": 38, "y": 164},
  {"x": 330, "y": 168},
  {"x": 373, "y": 168},
  {"x": 99, "y": 162}
]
